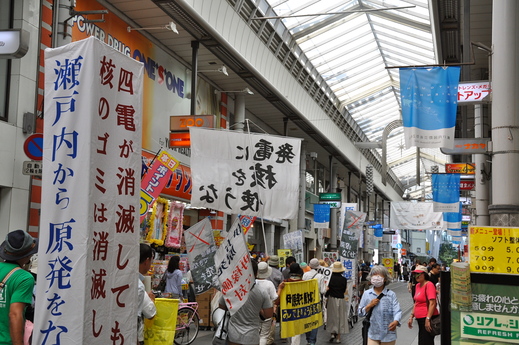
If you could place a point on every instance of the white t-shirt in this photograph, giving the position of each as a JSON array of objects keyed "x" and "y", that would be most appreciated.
[
  {"x": 146, "y": 309},
  {"x": 268, "y": 286},
  {"x": 312, "y": 274}
]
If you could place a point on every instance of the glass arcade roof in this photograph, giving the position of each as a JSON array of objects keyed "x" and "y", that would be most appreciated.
[{"x": 350, "y": 47}]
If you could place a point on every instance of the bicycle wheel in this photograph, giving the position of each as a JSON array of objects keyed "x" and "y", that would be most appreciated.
[{"x": 187, "y": 326}]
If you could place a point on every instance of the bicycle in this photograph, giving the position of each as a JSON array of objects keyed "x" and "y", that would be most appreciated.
[{"x": 188, "y": 323}]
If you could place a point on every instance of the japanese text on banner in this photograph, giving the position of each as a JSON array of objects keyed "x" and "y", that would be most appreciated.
[{"x": 92, "y": 148}]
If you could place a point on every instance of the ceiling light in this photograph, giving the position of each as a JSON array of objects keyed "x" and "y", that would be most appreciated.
[
  {"x": 170, "y": 26},
  {"x": 222, "y": 69},
  {"x": 246, "y": 90}
]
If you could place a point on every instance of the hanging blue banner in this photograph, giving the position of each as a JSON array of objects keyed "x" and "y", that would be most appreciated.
[
  {"x": 429, "y": 98},
  {"x": 446, "y": 192},
  {"x": 379, "y": 232},
  {"x": 321, "y": 215},
  {"x": 452, "y": 220}
]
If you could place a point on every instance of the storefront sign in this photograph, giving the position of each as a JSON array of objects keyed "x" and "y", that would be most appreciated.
[
  {"x": 182, "y": 123},
  {"x": 482, "y": 326},
  {"x": 467, "y": 184},
  {"x": 460, "y": 168},
  {"x": 330, "y": 197},
  {"x": 494, "y": 249},
  {"x": 473, "y": 92},
  {"x": 467, "y": 146}
]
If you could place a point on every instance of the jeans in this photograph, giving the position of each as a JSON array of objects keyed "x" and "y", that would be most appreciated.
[{"x": 311, "y": 336}]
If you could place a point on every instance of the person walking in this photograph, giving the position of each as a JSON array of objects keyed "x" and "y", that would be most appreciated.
[
  {"x": 267, "y": 325},
  {"x": 145, "y": 300},
  {"x": 276, "y": 277},
  {"x": 337, "y": 307},
  {"x": 17, "y": 285},
  {"x": 424, "y": 308},
  {"x": 311, "y": 336},
  {"x": 244, "y": 324},
  {"x": 384, "y": 317},
  {"x": 174, "y": 278},
  {"x": 296, "y": 274}
]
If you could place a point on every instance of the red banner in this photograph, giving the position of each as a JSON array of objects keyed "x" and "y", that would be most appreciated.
[{"x": 155, "y": 180}]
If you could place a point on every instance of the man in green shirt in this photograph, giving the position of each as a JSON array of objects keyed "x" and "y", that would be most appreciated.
[{"x": 16, "y": 294}]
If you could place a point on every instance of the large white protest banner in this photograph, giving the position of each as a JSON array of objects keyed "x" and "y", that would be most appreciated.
[
  {"x": 201, "y": 250},
  {"x": 89, "y": 240},
  {"x": 248, "y": 174},
  {"x": 234, "y": 268},
  {"x": 415, "y": 216}
]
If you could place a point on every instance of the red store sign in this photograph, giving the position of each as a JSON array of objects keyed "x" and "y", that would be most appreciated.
[{"x": 467, "y": 185}]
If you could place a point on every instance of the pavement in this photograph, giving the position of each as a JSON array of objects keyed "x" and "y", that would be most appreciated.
[{"x": 405, "y": 336}]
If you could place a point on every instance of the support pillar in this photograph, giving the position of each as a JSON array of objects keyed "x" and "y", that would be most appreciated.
[
  {"x": 302, "y": 189},
  {"x": 482, "y": 217},
  {"x": 333, "y": 211},
  {"x": 504, "y": 210}
]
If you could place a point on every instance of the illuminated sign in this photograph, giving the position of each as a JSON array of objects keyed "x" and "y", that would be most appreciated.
[
  {"x": 14, "y": 43},
  {"x": 473, "y": 92},
  {"x": 182, "y": 123},
  {"x": 467, "y": 184},
  {"x": 460, "y": 168},
  {"x": 467, "y": 146}
]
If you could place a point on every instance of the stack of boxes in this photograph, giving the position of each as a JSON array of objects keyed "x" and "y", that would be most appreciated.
[{"x": 204, "y": 308}]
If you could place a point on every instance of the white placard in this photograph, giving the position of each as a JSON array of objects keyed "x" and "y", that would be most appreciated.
[
  {"x": 89, "y": 240},
  {"x": 248, "y": 174}
]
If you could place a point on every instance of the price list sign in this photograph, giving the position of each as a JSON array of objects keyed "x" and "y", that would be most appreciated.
[{"x": 494, "y": 249}]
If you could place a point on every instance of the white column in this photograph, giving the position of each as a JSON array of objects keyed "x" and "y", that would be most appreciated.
[
  {"x": 505, "y": 113},
  {"x": 482, "y": 184}
]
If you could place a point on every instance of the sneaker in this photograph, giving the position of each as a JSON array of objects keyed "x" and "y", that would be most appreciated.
[{"x": 337, "y": 341}]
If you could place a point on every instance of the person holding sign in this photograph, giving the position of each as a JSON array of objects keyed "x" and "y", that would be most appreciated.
[
  {"x": 244, "y": 324},
  {"x": 386, "y": 317},
  {"x": 337, "y": 307}
]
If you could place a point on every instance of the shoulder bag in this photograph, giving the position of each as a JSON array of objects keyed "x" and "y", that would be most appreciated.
[
  {"x": 161, "y": 286},
  {"x": 220, "y": 336},
  {"x": 2, "y": 283},
  {"x": 436, "y": 327},
  {"x": 366, "y": 323}
]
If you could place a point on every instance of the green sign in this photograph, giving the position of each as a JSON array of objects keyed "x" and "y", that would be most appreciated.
[{"x": 329, "y": 196}]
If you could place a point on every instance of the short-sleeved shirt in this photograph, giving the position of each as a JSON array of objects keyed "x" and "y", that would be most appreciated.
[
  {"x": 420, "y": 299},
  {"x": 244, "y": 324},
  {"x": 276, "y": 277},
  {"x": 18, "y": 289},
  {"x": 146, "y": 308}
]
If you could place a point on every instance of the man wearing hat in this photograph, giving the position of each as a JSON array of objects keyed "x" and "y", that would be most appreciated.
[
  {"x": 16, "y": 285},
  {"x": 268, "y": 325},
  {"x": 311, "y": 336},
  {"x": 276, "y": 277}
]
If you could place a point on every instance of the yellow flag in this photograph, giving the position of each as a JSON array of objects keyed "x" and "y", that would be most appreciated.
[
  {"x": 301, "y": 309},
  {"x": 161, "y": 329}
]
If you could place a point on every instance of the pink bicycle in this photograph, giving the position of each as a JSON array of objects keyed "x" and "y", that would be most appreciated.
[{"x": 188, "y": 323}]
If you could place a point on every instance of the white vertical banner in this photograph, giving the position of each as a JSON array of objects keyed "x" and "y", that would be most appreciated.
[
  {"x": 234, "y": 268},
  {"x": 248, "y": 174},
  {"x": 294, "y": 240},
  {"x": 88, "y": 254}
]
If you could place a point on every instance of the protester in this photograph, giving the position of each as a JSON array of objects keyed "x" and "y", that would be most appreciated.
[
  {"x": 337, "y": 307},
  {"x": 405, "y": 272},
  {"x": 432, "y": 261},
  {"x": 244, "y": 324},
  {"x": 16, "y": 250},
  {"x": 424, "y": 308},
  {"x": 296, "y": 274},
  {"x": 311, "y": 336},
  {"x": 305, "y": 267},
  {"x": 286, "y": 271},
  {"x": 174, "y": 278},
  {"x": 386, "y": 317},
  {"x": 276, "y": 276},
  {"x": 267, "y": 325},
  {"x": 146, "y": 300},
  {"x": 322, "y": 263}
]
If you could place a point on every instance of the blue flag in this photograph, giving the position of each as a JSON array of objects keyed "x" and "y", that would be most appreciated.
[
  {"x": 321, "y": 215},
  {"x": 429, "y": 99},
  {"x": 452, "y": 220},
  {"x": 446, "y": 192}
]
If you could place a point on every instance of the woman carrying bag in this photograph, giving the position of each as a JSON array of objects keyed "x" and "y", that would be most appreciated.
[
  {"x": 383, "y": 306},
  {"x": 424, "y": 309}
]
